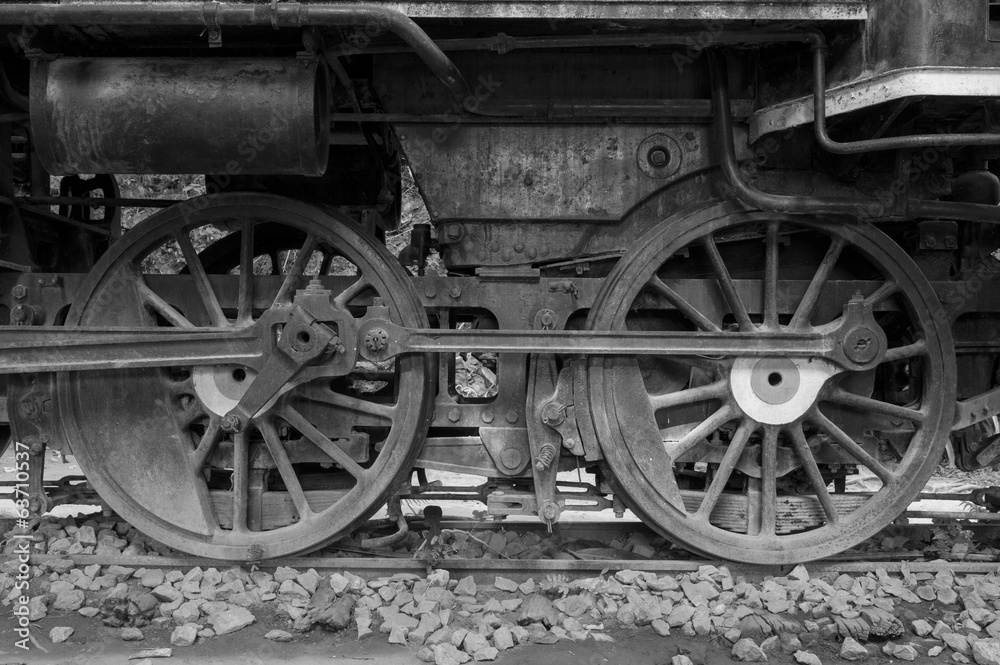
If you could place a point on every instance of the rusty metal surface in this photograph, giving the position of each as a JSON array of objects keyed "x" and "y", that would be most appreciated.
[
  {"x": 759, "y": 410},
  {"x": 181, "y": 115},
  {"x": 801, "y": 10}
]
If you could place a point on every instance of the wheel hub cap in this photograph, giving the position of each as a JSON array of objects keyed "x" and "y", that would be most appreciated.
[{"x": 778, "y": 390}]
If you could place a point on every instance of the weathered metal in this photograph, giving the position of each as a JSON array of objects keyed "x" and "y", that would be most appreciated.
[
  {"x": 772, "y": 416},
  {"x": 147, "y": 440},
  {"x": 181, "y": 115}
]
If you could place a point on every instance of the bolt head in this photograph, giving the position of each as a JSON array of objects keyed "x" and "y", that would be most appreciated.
[
  {"x": 231, "y": 423},
  {"x": 455, "y": 292},
  {"x": 454, "y": 415},
  {"x": 19, "y": 291}
]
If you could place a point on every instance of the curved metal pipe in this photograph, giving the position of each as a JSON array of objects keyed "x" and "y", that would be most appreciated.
[
  {"x": 219, "y": 14},
  {"x": 819, "y": 48},
  {"x": 402, "y": 528},
  {"x": 857, "y": 206}
]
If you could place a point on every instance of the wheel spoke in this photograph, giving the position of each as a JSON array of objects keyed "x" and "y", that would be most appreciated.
[
  {"x": 205, "y": 290},
  {"x": 918, "y": 348},
  {"x": 689, "y": 396},
  {"x": 733, "y": 453},
  {"x": 383, "y": 411},
  {"x": 769, "y": 480},
  {"x": 881, "y": 293},
  {"x": 245, "y": 303},
  {"x": 161, "y": 306},
  {"x": 291, "y": 281},
  {"x": 350, "y": 293},
  {"x": 771, "y": 278},
  {"x": 241, "y": 480},
  {"x": 865, "y": 404},
  {"x": 804, "y": 312},
  {"x": 207, "y": 443},
  {"x": 298, "y": 421},
  {"x": 727, "y": 285},
  {"x": 285, "y": 469},
  {"x": 813, "y": 474},
  {"x": 699, "y": 433},
  {"x": 682, "y": 305},
  {"x": 852, "y": 448}
]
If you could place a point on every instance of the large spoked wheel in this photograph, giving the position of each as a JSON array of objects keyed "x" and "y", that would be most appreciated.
[
  {"x": 757, "y": 459},
  {"x": 321, "y": 456}
]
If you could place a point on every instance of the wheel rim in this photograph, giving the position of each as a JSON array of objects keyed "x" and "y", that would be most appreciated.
[
  {"x": 319, "y": 458},
  {"x": 760, "y": 428}
]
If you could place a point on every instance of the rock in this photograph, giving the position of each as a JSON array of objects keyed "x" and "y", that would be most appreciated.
[
  {"x": 486, "y": 654},
  {"x": 681, "y": 659},
  {"x": 336, "y": 615},
  {"x": 807, "y": 658},
  {"x": 905, "y": 652},
  {"x": 958, "y": 643},
  {"x": 429, "y": 622},
  {"x": 935, "y": 651},
  {"x": 747, "y": 651},
  {"x": 131, "y": 635},
  {"x": 278, "y": 636},
  {"x": 922, "y": 628},
  {"x": 853, "y": 650},
  {"x": 799, "y": 573},
  {"x": 439, "y": 578},
  {"x": 680, "y": 615},
  {"x": 187, "y": 613},
  {"x": 940, "y": 628},
  {"x": 152, "y": 578},
  {"x": 959, "y": 658},
  {"x": 986, "y": 652},
  {"x": 447, "y": 654},
  {"x": 466, "y": 587},
  {"x": 152, "y": 653},
  {"x": 339, "y": 583},
  {"x": 36, "y": 608},
  {"x": 505, "y": 584},
  {"x": 184, "y": 636},
  {"x": 503, "y": 639},
  {"x": 660, "y": 627},
  {"x": 166, "y": 593},
  {"x": 474, "y": 642},
  {"x": 398, "y": 634},
  {"x": 308, "y": 580},
  {"x": 69, "y": 601},
  {"x": 291, "y": 588},
  {"x": 86, "y": 536},
  {"x": 425, "y": 655},
  {"x": 699, "y": 593},
  {"x": 60, "y": 634},
  {"x": 537, "y": 609},
  {"x": 231, "y": 620}
]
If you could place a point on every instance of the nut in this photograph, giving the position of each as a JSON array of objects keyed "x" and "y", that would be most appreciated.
[
  {"x": 376, "y": 340},
  {"x": 231, "y": 423}
]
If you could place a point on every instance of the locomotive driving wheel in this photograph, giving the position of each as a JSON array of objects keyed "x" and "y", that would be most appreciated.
[
  {"x": 320, "y": 456},
  {"x": 771, "y": 457}
]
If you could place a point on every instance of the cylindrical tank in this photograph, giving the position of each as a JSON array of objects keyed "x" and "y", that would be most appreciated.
[{"x": 181, "y": 115}]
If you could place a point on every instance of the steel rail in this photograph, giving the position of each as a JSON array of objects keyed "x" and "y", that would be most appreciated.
[
  {"x": 486, "y": 570},
  {"x": 215, "y": 15}
]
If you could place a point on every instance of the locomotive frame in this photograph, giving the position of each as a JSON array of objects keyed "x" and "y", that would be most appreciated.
[{"x": 692, "y": 289}]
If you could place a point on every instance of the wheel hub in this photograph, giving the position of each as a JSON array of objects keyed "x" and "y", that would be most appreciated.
[{"x": 778, "y": 390}]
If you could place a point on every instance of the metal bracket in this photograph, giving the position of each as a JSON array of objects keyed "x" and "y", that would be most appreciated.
[{"x": 558, "y": 412}]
